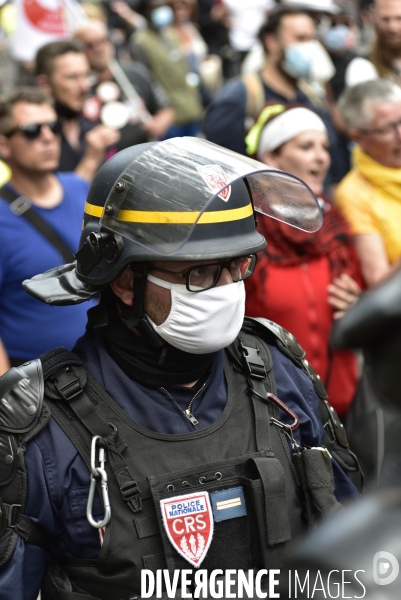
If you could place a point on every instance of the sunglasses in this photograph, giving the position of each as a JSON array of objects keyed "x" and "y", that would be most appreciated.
[{"x": 32, "y": 131}]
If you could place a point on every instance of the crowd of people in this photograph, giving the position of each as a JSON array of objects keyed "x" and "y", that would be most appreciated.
[
  {"x": 156, "y": 70},
  {"x": 311, "y": 89}
]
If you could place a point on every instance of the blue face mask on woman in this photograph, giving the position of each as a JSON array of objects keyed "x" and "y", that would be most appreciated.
[
  {"x": 336, "y": 38},
  {"x": 298, "y": 59},
  {"x": 162, "y": 17}
]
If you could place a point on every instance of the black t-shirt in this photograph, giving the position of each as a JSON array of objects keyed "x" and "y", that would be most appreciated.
[
  {"x": 340, "y": 63},
  {"x": 70, "y": 157},
  {"x": 213, "y": 32}
]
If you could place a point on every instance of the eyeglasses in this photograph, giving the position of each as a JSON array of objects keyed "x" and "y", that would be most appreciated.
[
  {"x": 387, "y": 130},
  {"x": 32, "y": 131},
  {"x": 203, "y": 277}
]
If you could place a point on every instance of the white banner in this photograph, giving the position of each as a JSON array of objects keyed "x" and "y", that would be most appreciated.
[{"x": 39, "y": 22}]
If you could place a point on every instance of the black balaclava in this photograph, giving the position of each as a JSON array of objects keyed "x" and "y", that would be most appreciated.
[{"x": 138, "y": 356}]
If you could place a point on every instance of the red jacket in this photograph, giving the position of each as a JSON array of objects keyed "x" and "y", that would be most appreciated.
[{"x": 295, "y": 297}]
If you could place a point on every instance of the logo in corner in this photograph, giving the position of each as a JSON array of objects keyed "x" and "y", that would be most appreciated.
[
  {"x": 215, "y": 179},
  {"x": 382, "y": 573},
  {"x": 188, "y": 521}
]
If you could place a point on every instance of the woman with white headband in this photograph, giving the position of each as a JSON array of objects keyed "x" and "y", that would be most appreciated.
[{"x": 302, "y": 280}]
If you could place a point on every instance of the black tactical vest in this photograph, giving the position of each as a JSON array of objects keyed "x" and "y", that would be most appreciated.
[
  {"x": 232, "y": 453},
  {"x": 241, "y": 452}
]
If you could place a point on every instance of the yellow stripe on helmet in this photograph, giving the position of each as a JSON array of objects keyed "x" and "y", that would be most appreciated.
[
  {"x": 92, "y": 210},
  {"x": 175, "y": 218}
]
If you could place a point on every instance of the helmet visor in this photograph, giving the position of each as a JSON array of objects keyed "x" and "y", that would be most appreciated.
[{"x": 184, "y": 183}]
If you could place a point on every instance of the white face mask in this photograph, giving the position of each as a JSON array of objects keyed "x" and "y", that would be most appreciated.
[{"x": 202, "y": 323}]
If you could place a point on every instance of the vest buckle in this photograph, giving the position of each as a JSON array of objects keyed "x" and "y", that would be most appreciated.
[
  {"x": 68, "y": 386},
  {"x": 132, "y": 495},
  {"x": 9, "y": 514},
  {"x": 255, "y": 365}
]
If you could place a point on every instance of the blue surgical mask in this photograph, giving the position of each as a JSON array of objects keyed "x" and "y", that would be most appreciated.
[
  {"x": 162, "y": 17},
  {"x": 336, "y": 38},
  {"x": 298, "y": 59}
]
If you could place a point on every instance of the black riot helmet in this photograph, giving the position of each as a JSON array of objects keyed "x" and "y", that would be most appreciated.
[
  {"x": 100, "y": 187},
  {"x": 183, "y": 199}
]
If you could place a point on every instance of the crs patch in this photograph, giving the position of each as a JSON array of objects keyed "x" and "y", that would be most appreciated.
[
  {"x": 215, "y": 178},
  {"x": 188, "y": 522}
]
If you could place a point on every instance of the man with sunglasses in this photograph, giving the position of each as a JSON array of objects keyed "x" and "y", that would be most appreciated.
[
  {"x": 369, "y": 195},
  {"x": 30, "y": 145},
  {"x": 168, "y": 405}
]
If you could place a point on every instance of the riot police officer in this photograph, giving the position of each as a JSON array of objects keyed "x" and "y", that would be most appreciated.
[{"x": 174, "y": 436}]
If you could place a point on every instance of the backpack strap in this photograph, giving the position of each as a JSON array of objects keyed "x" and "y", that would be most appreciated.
[
  {"x": 255, "y": 95},
  {"x": 21, "y": 206}
]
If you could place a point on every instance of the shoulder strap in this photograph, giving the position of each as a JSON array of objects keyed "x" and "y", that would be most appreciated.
[
  {"x": 22, "y": 207},
  {"x": 335, "y": 439},
  {"x": 255, "y": 96},
  {"x": 311, "y": 468},
  {"x": 308, "y": 90},
  {"x": 288, "y": 345},
  {"x": 73, "y": 394}
]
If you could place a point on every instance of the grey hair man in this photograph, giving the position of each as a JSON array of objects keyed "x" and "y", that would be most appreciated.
[{"x": 369, "y": 194}]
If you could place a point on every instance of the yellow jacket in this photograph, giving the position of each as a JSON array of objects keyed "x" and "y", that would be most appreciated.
[{"x": 369, "y": 196}]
